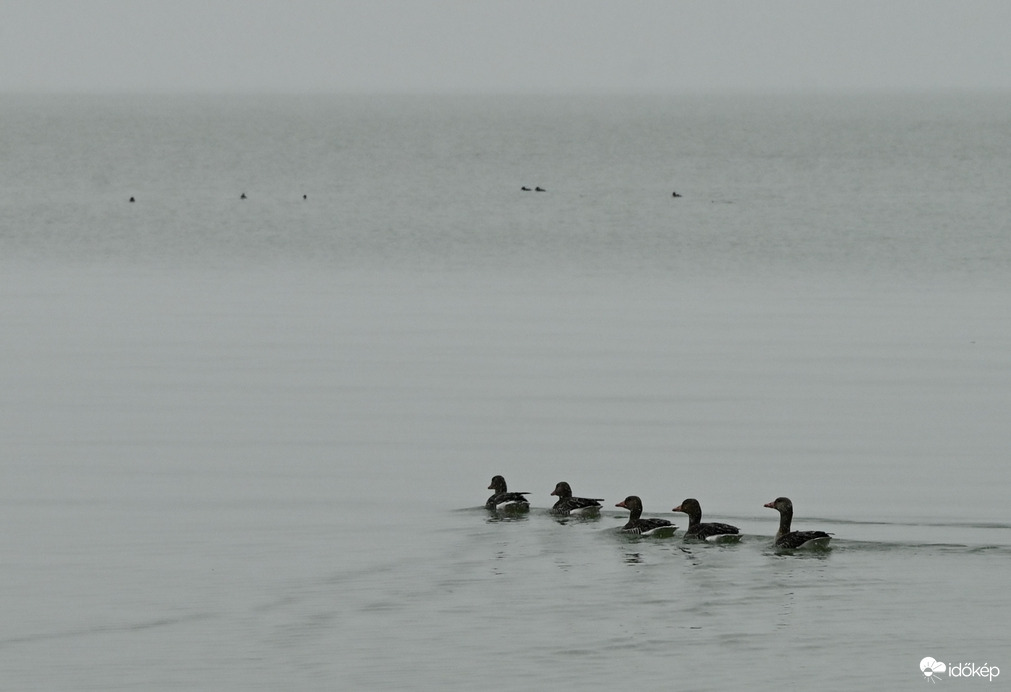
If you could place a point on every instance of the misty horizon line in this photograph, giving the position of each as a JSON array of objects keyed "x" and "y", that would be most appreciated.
[{"x": 540, "y": 92}]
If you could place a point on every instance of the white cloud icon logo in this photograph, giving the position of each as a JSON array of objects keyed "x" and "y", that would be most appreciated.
[{"x": 929, "y": 667}]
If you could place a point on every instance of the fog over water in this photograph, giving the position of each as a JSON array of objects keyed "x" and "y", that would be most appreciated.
[{"x": 246, "y": 442}]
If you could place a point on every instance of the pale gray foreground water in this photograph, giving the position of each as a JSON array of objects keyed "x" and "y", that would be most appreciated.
[{"x": 249, "y": 480}]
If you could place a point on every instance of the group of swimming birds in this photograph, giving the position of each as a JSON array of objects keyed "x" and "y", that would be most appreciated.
[{"x": 567, "y": 504}]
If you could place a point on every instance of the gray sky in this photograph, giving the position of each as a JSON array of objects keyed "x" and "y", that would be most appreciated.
[{"x": 503, "y": 45}]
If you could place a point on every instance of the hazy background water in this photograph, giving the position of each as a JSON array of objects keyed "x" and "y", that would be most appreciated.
[{"x": 245, "y": 442}]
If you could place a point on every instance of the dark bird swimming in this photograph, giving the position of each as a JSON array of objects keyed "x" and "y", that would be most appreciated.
[
  {"x": 573, "y": 505},
  {"x": 637, "y": 525},
  {"x": 785, "y": 538},
  {"x": 704, "y": 531},
  {"x": 503, "y": 499}
]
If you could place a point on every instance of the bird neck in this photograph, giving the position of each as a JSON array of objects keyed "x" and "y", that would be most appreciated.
[
  {"x": 694, "y": 518},
  {"x": 785, "y": 518}
]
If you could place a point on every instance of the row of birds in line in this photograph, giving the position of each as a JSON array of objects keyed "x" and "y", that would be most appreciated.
[
  {"x": 504, "y": 500},
  {"x": 524, "y": 188}
]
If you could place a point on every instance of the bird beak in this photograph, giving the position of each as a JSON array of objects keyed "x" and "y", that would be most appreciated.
[
  {"x": 677, "y": 509},
  {"x": 621, "y": 504},
  {"x": 770, "y": 505}
]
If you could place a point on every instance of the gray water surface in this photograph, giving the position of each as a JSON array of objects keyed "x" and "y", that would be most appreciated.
[{"x": 245, "y": 443}]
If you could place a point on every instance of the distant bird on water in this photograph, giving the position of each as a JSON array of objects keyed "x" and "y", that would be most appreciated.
[
  {"x": 242, "y": 196},
  {"x": 675, "y": 194},
  {"x": 132, "y": 199}
]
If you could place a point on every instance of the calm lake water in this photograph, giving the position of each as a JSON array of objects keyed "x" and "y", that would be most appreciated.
[{"x": 246, "y": 442}]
